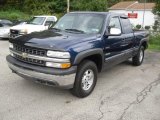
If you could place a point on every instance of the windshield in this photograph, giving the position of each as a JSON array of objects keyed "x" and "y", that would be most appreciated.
[
  {"x": 85, "y": 23},
  {"x": 6, "y": 22},
  {"x": 37, "y": 20}
]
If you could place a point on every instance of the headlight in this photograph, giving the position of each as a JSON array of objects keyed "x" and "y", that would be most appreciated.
[
  {"x": 58, "y": 65},
  {"x": 10, "y": 45},
  {"x": 23, "y": 31},
  {"x": 57, "y": 54}
]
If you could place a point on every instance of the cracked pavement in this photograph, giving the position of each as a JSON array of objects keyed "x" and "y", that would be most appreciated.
[{"x": 123, "y": 92}]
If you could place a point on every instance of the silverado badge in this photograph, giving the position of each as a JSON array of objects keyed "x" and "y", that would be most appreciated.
[{"x": 24, "y": 55}]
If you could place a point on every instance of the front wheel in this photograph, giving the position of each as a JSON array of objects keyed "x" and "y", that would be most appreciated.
[
  {"x": 86, "y": 79},
  {"x": 138, "y": 59}
]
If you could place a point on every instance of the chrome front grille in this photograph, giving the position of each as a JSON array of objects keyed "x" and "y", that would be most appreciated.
[
  {"x": 14, "y": 31},
  {"x": 30, "y": 60},
  {"x": 30, "y": 51}
]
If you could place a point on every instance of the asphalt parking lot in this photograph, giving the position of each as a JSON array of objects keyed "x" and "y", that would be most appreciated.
[{"x": 122, "y": 93}]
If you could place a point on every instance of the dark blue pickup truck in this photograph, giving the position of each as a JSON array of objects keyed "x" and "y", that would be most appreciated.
[{"x": 80, "y": 45}]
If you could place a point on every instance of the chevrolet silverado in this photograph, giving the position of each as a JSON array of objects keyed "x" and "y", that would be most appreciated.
[{"x": 76, "y": 49}]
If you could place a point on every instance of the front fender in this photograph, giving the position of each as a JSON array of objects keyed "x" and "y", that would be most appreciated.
[{"x": 144, "y": 42}]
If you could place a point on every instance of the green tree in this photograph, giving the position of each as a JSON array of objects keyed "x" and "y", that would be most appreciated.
[
  {"x": 157, "y": 8},
  {"x": 58, "y": 6},
  {"x": 156, "y": 11},
  {"x": 37, "y": 7},
  {"x": 92, "y": 5},
  {"x": 2, "y": 2}
]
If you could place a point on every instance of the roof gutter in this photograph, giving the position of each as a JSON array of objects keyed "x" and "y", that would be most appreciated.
[{"x": 139, "y": 10}]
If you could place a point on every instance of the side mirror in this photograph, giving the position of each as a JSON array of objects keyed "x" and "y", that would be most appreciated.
[{"x": 114, "y": 32}]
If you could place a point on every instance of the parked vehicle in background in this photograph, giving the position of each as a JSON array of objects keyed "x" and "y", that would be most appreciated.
[
  {"x": 80, "y": 45},
  {"x": 37, "y": 23},
  {"x": 19, "y": 22},
  {"x": 5, "y": 28}
]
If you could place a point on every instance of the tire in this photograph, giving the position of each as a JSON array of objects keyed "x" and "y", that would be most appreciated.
[
  {"x": 138, "y": 59},
  {"x": 86, "y": 79}
]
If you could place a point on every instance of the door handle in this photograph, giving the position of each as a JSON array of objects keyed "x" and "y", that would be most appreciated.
[
  {"x": 123, "y": 39},
  {"x": 124, "y": 42}
]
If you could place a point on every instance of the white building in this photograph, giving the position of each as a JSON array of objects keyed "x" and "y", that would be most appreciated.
[{"x": 136, "y": 12}]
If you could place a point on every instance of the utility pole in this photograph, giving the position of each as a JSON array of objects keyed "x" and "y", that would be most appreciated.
[
  {"x": 144, "y": 13},
  {"x": 68, "y": 5}
]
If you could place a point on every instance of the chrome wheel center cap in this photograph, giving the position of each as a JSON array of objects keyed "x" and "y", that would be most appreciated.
[{"x": 87, "y": 79}]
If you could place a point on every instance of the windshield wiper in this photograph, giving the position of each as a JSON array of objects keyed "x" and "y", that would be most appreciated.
[
  {"x": 75, "y": 30},
  {"x": 55, "y": 28}
]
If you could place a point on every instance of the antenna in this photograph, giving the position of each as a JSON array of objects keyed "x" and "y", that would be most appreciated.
[
  {"x": 144, "y": 13},
  {"x": 68, "y": 5}
]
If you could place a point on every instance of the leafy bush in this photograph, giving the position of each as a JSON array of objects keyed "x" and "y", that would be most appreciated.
[
  {"x": 27, "y": 8},
  {"x": 147, "y": 27},
  {"x": 155, "y": 28},
  {"x": 138, "y": 26},
  {"x": 36, "y": 7},
  {"x": 54, "y": 6},
  {"x": 92, "y": 5},
  {"x": 14, "y": 15}
]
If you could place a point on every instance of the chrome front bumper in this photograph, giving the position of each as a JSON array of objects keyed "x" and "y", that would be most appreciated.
[{"x": 64, "y": 81}]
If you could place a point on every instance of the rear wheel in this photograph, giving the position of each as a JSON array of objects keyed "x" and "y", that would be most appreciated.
[
  {"x": 86, "y": 79},
  {"x": 138, "y": 59}
]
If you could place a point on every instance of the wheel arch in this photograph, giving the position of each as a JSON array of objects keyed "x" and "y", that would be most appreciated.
[
  {"x": 144, "y": 43},
  {"x": 95, "y": 55}
]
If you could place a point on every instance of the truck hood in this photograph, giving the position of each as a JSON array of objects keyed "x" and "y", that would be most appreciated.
[
  {"x": 54, "y": 40},
  {"x": 29, "y": 27}
]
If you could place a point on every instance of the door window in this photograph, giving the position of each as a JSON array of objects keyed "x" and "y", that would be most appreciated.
[{"x": 114, "y": 23}]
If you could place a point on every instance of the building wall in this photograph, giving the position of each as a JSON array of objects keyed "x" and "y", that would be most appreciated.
[
  {"x": 149, "y": 17},
  {"x": 118, "y": 11}
]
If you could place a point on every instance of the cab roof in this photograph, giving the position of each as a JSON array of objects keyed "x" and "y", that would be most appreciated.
[{"x": 102, "y": 13}]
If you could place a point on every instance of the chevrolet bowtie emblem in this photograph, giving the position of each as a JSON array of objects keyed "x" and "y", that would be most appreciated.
[{"x": 24, "y": 55}]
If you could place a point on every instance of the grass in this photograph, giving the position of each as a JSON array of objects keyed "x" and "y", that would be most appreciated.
[
  {"x": 154, "y": 47},
  {"x": 154, "y": 42}
]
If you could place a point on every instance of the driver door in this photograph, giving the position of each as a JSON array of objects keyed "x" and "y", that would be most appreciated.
[{"x": 114, "y": 43}]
